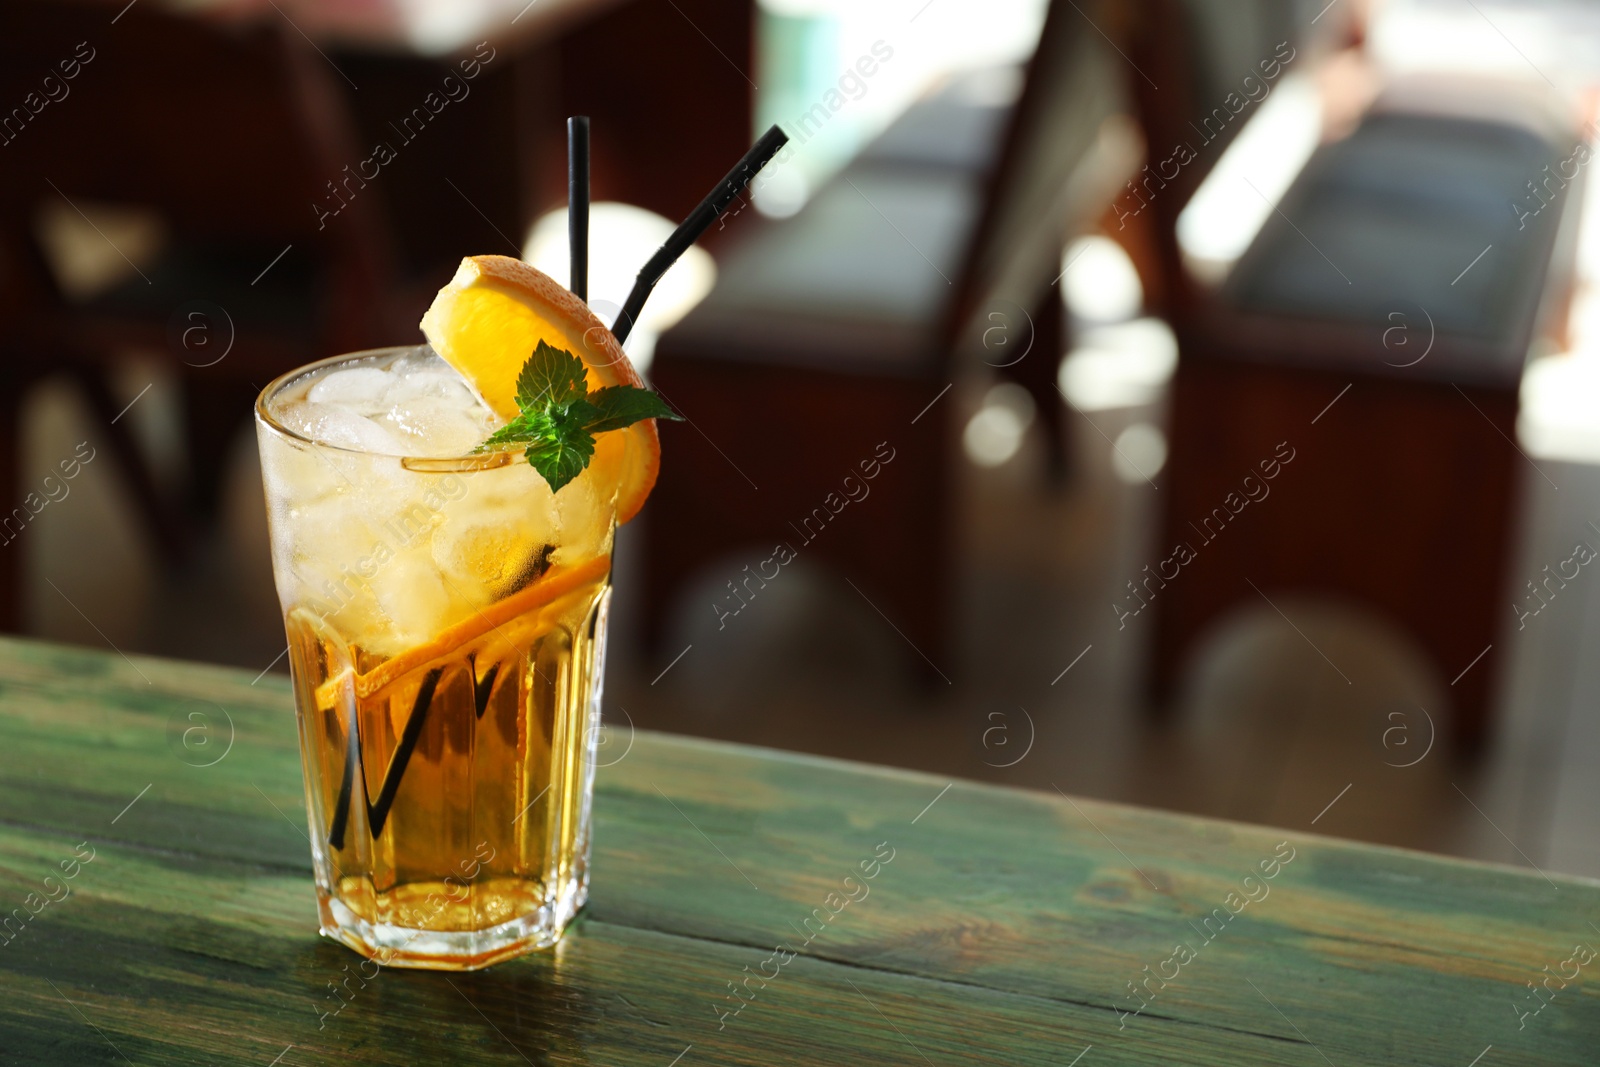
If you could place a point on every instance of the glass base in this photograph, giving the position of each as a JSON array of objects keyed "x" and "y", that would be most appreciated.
[{"x": 448, "y": 950}]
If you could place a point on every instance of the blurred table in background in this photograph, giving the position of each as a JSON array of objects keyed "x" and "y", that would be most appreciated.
[
  {"x": 156, "y": 884},
  {"x": 668, "y": 86},
  {"x": 308, "y": 176},
  {"x": 414, "y": 27}
]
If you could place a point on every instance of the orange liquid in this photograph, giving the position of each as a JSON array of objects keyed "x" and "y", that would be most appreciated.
[{"x": 449, "y": 783}]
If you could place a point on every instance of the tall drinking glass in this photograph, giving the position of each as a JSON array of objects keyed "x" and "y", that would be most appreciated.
[{"x": 446, "y": 618}]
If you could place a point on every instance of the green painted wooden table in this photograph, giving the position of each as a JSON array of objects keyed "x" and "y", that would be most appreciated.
[{"x": 154, "y": 872}]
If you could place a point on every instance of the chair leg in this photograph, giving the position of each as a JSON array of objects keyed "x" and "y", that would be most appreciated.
[
  {"x": 214, "y": 408},
  {"x": 1037, "y": 371},
  {"x": 167, "y": 530}
]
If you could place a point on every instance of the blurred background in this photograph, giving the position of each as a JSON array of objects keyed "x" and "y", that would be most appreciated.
[{"x": 1193, "y": 403}]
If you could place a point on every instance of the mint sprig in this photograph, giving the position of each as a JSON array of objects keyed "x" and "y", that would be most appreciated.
[{"x": 559, "y": 417}]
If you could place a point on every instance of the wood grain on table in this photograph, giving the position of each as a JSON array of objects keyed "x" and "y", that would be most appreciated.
[{"x": 155, "y": 875}]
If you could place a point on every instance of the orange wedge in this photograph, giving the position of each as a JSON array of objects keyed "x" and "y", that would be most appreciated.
[
  {"x": 486, "y": 323},
  {"x": 559, "y": 583}
]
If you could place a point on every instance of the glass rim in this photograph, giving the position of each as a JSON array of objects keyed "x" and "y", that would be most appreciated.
[{"x": 264, "y": 416}]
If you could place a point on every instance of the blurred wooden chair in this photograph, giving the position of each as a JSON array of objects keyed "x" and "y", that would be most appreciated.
[
  {"x": 1401, "y": 493},
  {"x": 1378, "y": 338},
  {"x": 230, "y": 138},
  {"x": 841, "y": 329}
]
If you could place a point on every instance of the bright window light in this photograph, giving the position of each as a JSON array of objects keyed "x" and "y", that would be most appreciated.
[
  {"x": 815, "y": 55},
  {"x": 1552, "y": 40},
  {"x": 1561, "y": 393},
  {"x": 783, "y": 193},
  {"x": 1139, "y": 453},
  {"x": 1120, "y": 366},
  {"x": 621, "y": 238},
  {"x": 1099, "y": 282},
  {"x": 1251, "y": 176},
  {"x": 1557, "y": 420},
  {"x": 995, "y": 433}
]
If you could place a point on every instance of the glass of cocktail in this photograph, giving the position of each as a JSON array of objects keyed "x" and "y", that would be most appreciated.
[{"x": 446, "y": 602}]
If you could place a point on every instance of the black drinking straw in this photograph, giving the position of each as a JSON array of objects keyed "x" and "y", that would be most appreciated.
[
  {"x": 578, "y": 204},
  {"x": 715, "y": 203}
]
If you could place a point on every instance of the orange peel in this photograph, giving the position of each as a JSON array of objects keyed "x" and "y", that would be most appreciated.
[
  {"x": 487, "y": 321},
  {"x": 552, "y": 587}
]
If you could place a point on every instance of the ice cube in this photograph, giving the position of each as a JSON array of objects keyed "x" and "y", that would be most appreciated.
[
  {"x": 483, "y": 559},
  {"x": 360, "y": 389},
  {"x": 392, "y": 557},
  {"x": 416, "y": 376},
  {"x": 339, "y": 426},
  {"x": 435, "y": 425},
  {"x": 415, "y": 599},
  {"x": 413, "y": 404}
]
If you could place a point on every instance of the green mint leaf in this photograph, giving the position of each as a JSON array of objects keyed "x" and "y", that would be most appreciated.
[
  {"x": 617, "y": 406},
  {"x": 550, "y": 378},
  {"x": 561, "y": 458},
  {"x": 575, "y": 417},
  {"x": 559, "y": 418},
  {"x": 529, "y": 426}
]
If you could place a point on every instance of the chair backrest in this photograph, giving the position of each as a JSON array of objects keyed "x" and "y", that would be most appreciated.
[
  {"x": 218, "y": 129},
  {"x": 1046, "y": 178},
  {"x": 885, "y": 268},
  {"x": 227, "y": 133}
]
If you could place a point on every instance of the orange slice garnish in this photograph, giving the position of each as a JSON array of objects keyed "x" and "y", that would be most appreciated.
[
  {"x": 559, "y": 583},
  {"x": 486, "y": 323}
]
